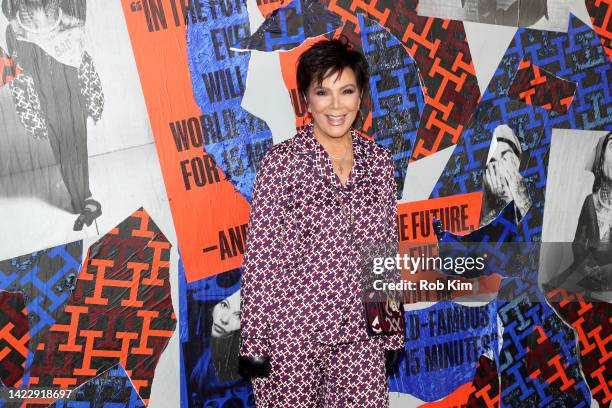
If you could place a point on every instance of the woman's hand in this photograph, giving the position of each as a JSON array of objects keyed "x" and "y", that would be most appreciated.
[
  {"x": 249, "y": 367},
  {"x": 391, "y": 359}
]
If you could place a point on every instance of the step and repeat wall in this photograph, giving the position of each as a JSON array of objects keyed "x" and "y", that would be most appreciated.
[{"x": 161, "y": 112}]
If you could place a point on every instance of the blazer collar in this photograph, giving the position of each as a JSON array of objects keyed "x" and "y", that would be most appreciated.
[{"x": 305, "y": 143}]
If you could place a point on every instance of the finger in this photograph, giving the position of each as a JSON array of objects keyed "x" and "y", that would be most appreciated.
[
  {"x": 488, "y": 177},
  {"x": 510, "y": 173},
  {"x": 492, "y": 172},
  {"x": 492, "y": 182},
  {"x": 497, "y": 179},
  {"x": 509, "y": 166},
  {"x": 502, "y": 167},
  {"x": 505, "y": 174}
]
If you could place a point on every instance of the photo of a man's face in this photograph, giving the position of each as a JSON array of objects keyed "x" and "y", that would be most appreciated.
[
  {"x": 502, "y": 181},
  {"x": 503, "y": 160}
]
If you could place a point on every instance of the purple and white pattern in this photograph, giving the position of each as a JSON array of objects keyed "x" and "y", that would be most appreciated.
[
  {"x": 301, "y": 278},
  {"x": 310, "y": 374}
]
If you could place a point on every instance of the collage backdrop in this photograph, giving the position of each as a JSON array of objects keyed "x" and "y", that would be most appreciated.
[{"x": 141, "y": 307}]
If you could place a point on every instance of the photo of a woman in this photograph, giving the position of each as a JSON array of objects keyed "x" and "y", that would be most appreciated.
[
  {"x": 58, "y": 88},
  {"x": 317, "y": 197},
  {"x": 590, "y": 270},
  {"x": 592, "y": 245},
  {"x": 226, "y": 316},
  {"x": 212, "y": 354}
]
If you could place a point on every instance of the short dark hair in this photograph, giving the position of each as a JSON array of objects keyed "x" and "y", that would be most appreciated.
[{"x": 327, "y": 57}]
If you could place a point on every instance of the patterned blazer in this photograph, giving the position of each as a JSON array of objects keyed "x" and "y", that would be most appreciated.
[{"x": 301, "y": 266}]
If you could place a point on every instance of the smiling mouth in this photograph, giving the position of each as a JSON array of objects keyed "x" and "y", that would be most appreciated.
[{"x": 335, "y": 119}]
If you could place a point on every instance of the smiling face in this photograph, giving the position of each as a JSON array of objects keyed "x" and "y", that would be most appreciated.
[
  {"x": 334, "y": 103},
  {"x": 226, "y": 316}
]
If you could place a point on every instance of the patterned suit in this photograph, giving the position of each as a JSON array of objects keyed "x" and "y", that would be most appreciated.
[{"x": 300, "y": 293}]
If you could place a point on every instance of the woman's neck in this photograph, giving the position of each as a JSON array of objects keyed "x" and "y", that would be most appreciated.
[{"x": 334, "y": 145}]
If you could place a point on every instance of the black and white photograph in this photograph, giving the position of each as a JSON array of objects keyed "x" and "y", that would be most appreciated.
[
  {"x": 211, "y": 354},
  {"x": 577, "y": 231},
  {"x": 77, "y": 151},
  {"x": 78, "y": 154},
  {"x": 550, "y": 15},
  {"x": 57, "y": 89},
  {"x": 502, "y": 182}
]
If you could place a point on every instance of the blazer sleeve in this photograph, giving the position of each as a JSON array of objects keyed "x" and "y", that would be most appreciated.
[
  {"x": 392, "y": 233},
  {"x": 261, "y": 258}
]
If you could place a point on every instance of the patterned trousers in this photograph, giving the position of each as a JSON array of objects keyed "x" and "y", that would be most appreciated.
[{"x": 308, "y": 374}]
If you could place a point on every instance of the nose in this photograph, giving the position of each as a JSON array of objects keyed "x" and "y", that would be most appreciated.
[
  {"x": 224, "y": 318},
  {"x": 335, "y": 101}
]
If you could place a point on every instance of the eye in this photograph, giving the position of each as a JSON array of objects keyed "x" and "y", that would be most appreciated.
[
  {"x": 349, "y": 91},
  {"x": 224, "y": 304},
  {"x": 320, "y": 93}
]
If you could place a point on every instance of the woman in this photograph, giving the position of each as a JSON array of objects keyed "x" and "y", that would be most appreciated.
[
  {"x": 214, "y": 328},
  {"x": 591, "y": 269},
  {"x": 226, "y": 315},
  {"x": 592, "y": 245},
  {"x": 318, "y": 197},
  {"x": 57, "y": 89}
]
